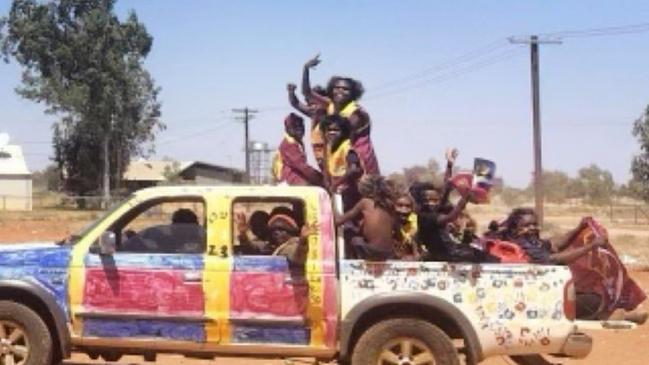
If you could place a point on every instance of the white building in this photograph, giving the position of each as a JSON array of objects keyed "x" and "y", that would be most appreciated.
[{"x": 15, "y": 179}]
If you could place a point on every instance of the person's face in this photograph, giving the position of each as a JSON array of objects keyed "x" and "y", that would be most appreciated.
[
  {"x": 342, "y": 92},
  {"x": 296, "y": 131},
  {"x": 334, "y": 133},
  {"x": 527, "y": 226},
  {"x": 431, "y": 198},
  {"x": 279, "y": 235},
  {"x": 403, "y": 207}
]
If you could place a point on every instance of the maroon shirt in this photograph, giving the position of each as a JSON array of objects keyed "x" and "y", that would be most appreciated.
[{"x": 295, "y": 169}]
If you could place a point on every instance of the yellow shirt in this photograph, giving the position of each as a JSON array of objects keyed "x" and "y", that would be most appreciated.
[
  {"x": 337, "y": 160},
  {"x": 346, "y": 112}
]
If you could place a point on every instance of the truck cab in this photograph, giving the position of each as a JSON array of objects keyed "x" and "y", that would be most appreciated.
[{"x": 135, "y": 283}]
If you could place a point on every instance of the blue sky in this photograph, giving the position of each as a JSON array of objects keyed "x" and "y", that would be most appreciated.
[{"x": 212, "y": 56}]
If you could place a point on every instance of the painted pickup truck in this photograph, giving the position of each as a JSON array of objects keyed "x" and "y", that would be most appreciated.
[{"x": 97, "y": 293}]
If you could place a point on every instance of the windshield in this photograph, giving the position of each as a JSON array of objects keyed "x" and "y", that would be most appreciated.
[{"x": 73, "y": 238}]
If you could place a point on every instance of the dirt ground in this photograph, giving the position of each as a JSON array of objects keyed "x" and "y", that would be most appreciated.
[{"x": 611, "y": 347}]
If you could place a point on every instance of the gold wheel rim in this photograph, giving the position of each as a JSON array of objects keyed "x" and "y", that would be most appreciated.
[
  {"x": 14, "y": 345},
  {"x": 406, "y": 351}
]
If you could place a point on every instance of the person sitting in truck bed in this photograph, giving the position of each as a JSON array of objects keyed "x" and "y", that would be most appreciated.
[
  {"x": 406, "y": 232},
  {"x": 290, "y": 164},
  {"x": 521, "y": 227},
  {"x": 286, "y": 239},
  {"x": 376, "y": 208}
]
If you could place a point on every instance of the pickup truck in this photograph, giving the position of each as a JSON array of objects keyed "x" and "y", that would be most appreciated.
[{"x": 96, "y": 293}]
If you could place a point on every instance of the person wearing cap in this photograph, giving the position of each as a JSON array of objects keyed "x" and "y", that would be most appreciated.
[
  {"x": 286, "y": 239},
  {"x": 290, "y": 164}
]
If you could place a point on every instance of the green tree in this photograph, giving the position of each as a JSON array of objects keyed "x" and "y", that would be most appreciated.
[
  {"x": 556, "y": 185},
  {"x": 597, "y": 184},
  {"x": 48, "y": 179},
  {"x": 640, "y": 162},
  {"x": 85, "y": 65}
]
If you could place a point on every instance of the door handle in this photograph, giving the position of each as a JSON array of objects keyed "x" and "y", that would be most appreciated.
[{"x": 192, "y": 276}]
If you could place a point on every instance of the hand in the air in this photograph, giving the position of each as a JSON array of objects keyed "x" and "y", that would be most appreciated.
[{"x": 313, "y": 62}]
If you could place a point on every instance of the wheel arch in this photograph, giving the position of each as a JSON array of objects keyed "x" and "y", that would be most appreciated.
[
  {"x": 44, "y": 304},
  {"x": 435, "y": 310}
]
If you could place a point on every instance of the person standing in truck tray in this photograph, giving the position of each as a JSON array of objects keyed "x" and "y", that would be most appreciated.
[
  {"x": 290, "y": 164},
  {"x": 342, "y": 95}
]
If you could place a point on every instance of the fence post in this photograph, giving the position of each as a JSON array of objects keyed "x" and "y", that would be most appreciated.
[
  {"x": 635, "y": 214},
  {"x": 611, "y": 211}
]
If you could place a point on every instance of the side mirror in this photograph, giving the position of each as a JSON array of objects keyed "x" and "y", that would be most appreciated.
[{"x": 107, "y": 243}]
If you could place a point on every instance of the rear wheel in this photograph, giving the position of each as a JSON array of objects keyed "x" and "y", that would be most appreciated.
[
  {"x": 404, "y": 341},
  {"x": 24, "y": 337}
]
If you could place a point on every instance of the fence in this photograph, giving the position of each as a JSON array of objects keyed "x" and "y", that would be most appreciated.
[{"x": 54, "y": 201}]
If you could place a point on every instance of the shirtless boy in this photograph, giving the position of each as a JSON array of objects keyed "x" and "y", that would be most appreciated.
[{"x": 377, "y": 210}]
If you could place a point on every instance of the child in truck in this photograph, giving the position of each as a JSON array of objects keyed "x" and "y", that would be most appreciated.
[
  {"x": 376, "y": 208},
  {"x": 290, "y": 164},
  {"x": 343, "y": 167},
  {"x": 435, "y": 213},
  {"x": 406, "y": 233}
]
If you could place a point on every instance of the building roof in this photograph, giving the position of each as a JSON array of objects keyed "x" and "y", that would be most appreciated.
[
  {"x": 12, "y": 161},
  {"x": 154, "y": 170}
]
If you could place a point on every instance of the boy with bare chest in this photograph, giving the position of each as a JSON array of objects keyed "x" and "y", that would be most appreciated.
[{"x": 378, "y": 220}]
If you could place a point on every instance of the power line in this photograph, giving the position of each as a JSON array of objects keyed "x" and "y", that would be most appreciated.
[
  {"x": 193, "y": 135},
  {"x": 464, "y": 58},
  {"x": 499, "y": 57},
  {"x": 600, "y": 32}
]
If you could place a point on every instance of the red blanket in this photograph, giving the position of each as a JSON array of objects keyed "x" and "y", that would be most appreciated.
[{"x": 602, "y": 272}]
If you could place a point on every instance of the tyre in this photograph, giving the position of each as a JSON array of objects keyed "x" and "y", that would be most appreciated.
[
  {"x": 404, "y": 341},
  {"x": 24, "y": 337}
]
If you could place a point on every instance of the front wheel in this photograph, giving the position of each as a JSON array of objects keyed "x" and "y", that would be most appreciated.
[
  {"x": 24, "y": 337},
  {"x": 404, "y": 341}
]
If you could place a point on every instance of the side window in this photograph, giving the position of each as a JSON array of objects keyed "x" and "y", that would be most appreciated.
[
  {"x": 172, "y": 226},
  {"x": 263, "y": 227}
]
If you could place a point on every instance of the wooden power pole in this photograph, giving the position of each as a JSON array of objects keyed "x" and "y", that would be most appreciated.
[
  {"x": 534, "y": 42},
  {"x": 247, "y": 115}
]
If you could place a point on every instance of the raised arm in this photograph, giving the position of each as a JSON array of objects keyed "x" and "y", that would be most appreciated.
[
  {"x": 444, "y": 219},
  {"x": 294, "y": 101},
  {"x": 306, "y": 83},
  {"x": 451, "y": 156}
]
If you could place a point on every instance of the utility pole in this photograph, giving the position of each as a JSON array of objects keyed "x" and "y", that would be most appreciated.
[
  {"x": 248, "y": 114},
  {"x": 534, "y": 42}
]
